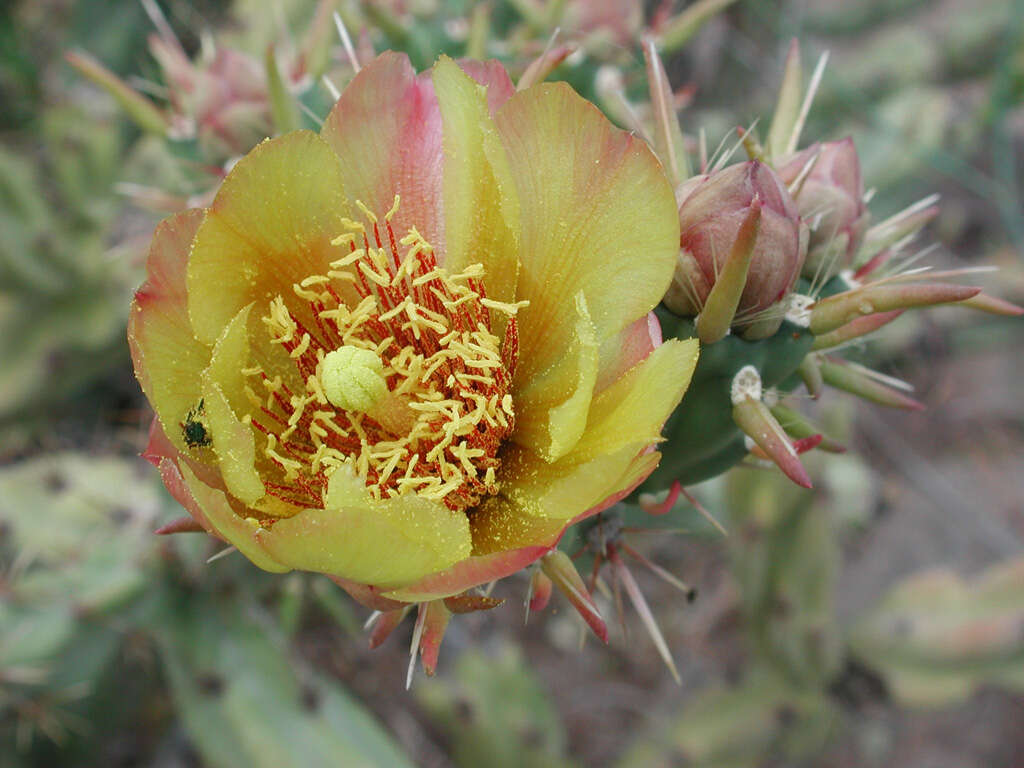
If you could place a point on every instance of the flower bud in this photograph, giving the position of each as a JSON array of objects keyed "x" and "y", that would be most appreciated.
[
  {"x": 831, "y": 201},
  {"x": 222, "y": 102},
  {"x": 712, "y": 209}
]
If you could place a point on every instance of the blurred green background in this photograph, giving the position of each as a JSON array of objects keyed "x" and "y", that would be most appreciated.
[{"x": 878, "y": 621}]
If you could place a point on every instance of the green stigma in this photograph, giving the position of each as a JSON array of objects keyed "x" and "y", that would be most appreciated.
[{"x": 353, "y": 378}]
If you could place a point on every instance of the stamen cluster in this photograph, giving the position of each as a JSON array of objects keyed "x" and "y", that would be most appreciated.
[{"x": 437, "y": 430}]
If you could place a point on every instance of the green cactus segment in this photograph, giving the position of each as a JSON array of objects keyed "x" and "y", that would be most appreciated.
[
  {"x": 785, "y": 559},
  {"x": 762, "y": 718},
  {"x": 75, "y": 535},
  {"x": 496, "y": 713},
  {"x": 63, "y": 295},
  {"x": 936, "y": 638},
  {"x": 243, "y": 703},
  {"x": 90, "y": 579},
  {"x": 702, "y": 439}
]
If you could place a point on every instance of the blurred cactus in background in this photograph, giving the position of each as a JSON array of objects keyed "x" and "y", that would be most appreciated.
[
  {"x": 90, "y": 597},
  {"x": 61, "y": 281},
  {"x": 859, "y": 623},
  {"x": 936, "y": 638}
]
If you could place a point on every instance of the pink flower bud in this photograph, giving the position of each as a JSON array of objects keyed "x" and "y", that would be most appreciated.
[
  {"x": 831, "y": 200},
  {"x": 712, "y": 209},
  {"x": 223, "y": 102}
]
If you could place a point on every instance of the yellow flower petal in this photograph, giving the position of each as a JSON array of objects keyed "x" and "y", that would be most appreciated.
[
  {"x": 226, "y": 523},
  {"x": 608, "y": 458},
  {"x": 564, "y": 489},
  {"x": 480, "y": 202},
  {"x": 386, "y": 128},
  {"x": 598, "y": 216},
  {"x": 166, "y": 353},
  {"x": 270, "y": 226},
  {"x": 385, "y": 543},
  {"x": 502, "y": 523},
  {"x": 636, "y": 406},
  {"x": 232, "y": 440},
  {"x": 499, "y": 525},
  {"x": 551, "y": 408}
]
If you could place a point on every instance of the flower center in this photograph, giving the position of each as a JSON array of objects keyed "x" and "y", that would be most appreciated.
[{"x": 402, "y": 379}]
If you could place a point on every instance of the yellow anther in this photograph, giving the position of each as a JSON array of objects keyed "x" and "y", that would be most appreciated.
[{"x": 353, "y": 378}]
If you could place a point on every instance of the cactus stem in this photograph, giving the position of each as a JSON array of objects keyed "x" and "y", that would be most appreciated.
[
  {"x": 866, "y": 384},
  {"x": 756, "y": 422},
  {"x": 855, "y": 329},
  {"x": 840, "y": 309},
  {"x": 636, "y": 597},
  {"x": 799, "y": 427},
  {"x": 724, "y": 299},
  {"x": 181, "y": 525},
  {"x": 985, "y": 303},
  {"x": 557, "y": 566}
]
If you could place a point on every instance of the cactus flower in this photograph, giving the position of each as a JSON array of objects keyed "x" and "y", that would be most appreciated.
[
  {"x": 417, "y": 345},
  {"x": 712, "y": 212},
  {"x": 831, "y": 199}
]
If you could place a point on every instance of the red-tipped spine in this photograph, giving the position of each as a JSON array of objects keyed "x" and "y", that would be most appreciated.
[
  {"x": 557, "y": 566},
  {"x": 842, "y": 308},
  {"x": 985, "y": 303},
  {"x": 434, "y": 625},
  {"x": 756, "y": 422},
  {"x": 862, "y": 326}
]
